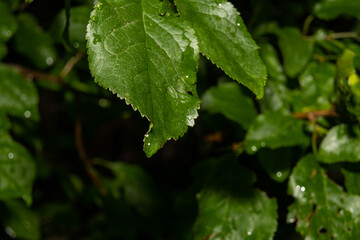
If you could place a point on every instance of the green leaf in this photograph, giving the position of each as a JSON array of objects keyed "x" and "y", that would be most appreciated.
[
  {"x": 321, "y": 209},
  {"x": 79, "y": 17},
  {"x": 274, "y": 130},
  {"x": 8, "y": 23},
  {"x": 21, "y": 222},
  {"x": 330, "y": 9},
  {"x": 32, "y": 42},
  {"x": 271, "y": 59},
  {"x": 224, "y": 39},
  {"x": 17, "y": 169},
  {"x": 277, "y": 163},
  {"x": 342, "y": 143},
  {"x": 3, "y": 51},
  {"x": 317, "y": 86},
  {"x": 229, "y": 208},
  {"x": 352, "y": 181},
  {"x": 296, "y": 50},
  {"x": 229, "y": 100},
  {"x": 277, "y": 97},
  {"x": 18, "y": 96},
  {"x": 4, "y": 124},
  {"x": 148, "y": 60}
]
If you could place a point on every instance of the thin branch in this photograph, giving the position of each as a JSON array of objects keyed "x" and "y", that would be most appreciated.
[
  {"x": 306, "y": 25},
  {"x": 31, "y": 74},
  {"x": 343, "y": 35},
  {"x": 71, "y": 63},
  {"x": 313, "y": 115}
]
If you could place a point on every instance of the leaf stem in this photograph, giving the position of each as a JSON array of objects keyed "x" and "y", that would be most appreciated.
[
  {"x": 306, "y": 25},
  {"x": 339, "y": 35}
]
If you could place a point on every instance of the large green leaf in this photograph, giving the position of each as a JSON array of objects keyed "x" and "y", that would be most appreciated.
[
  {"x": 224, "y": 39},
  {"x": 274, "y": 130},
  {"x": 317, "y": 85},
  {"x": 330, "y": 9},
  {"x": 21, "y": 222},
  {"x": 18, "y": 96},
  {"x": 17, "y": 169},
  {"x": 8, "y": 23},
  {"x": 229, "y": 208},
  {"x": 148, "y": 60},
  {"x": 321, "y": 209},
  {"x": 32, "y": 42},
  {"x": 229, "y": 100},
  {"x": 271, "y": 59},
  {"x": 296, "y": 50},
  {"x": 342, "y": 143},
  {"x": 277, "y": 163},
  {"x": 276, "y": 98}
]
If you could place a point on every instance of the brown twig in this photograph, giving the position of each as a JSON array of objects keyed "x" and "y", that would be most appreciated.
[
  {"x": 71, "y": 63},
  {"x": 313, "y": 115},
  {"x": 31, "y": 74},
  {"x": 83, "y": 156}
]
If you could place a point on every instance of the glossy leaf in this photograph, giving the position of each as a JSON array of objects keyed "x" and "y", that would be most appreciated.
[
  {"x": 277, "y": 163},
  {"x": 330, "y": 9},
  {"x": 274, "y": 130},
  {"x": 18, "y": 96},
  {"x": 17, "y": 169},
  {"x": 8, "y": 23},
  {"x": 296, "y": 50},
  {"x": 229, "y": 208},
  {"x": 342, "y": 143},
  {"x": 229, "y": 100},
  {"x": 22, "y": 223},
  {"x": 277, "y": 97},
  {"x": 79, "y": 17},
  {"x": 321, "y": 210},
  {"x": 271, "y": 59},
  {"x": 32, "y": 42},
  {"x": 224, "y": 39},
  {"x": 317, "y": 86},
  {"x": 148, "y": 60}
]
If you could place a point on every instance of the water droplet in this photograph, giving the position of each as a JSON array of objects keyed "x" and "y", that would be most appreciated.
[
  {"x": 253, "y": 148},
  {"x": 148, "y": 144},
  {"x": 10, "y": 232},
  {"x": 187, "y": 76},
  {"x": 262, "y": 144},
  {"x": 302, "y": 189},
  {"x": 297, "y": 187},
  {"x": 292, "y": 220},
  {"x": 219, "y": 4},
  {"x": 249, "y": 233},
  {"x": 10, "y": 155},
  {"x": 146, "y": 135},
  {"x": 49, "y": 60},
  {"x": 304, "y": 199},
  {"x": 238, "y": 24},
  {"x": 27, "y": 114},
  {"x": 279, "y": 174},
  {"x": 76, "y": 45}
]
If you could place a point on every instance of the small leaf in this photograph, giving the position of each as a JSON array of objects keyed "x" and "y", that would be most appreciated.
[
  {"x": 321, "y": 209},
  {"x": 271, "y": 59},
  {"x": 296, "y": 50},
  {"x": 148, "y": 60},
  {"x": 274, "y": 130},
  {"x": 317, "y": 86},
  {"x": 229, "y": 208},
  {"x": 228, "y": 100},
  {"x": 17, "y": 169},
  {"x": 32, "y": 42},
  {"x": 342, "y": 143},
  {"x": 224, "y": 39},
  {"x": 8, "y": 23},
  {"x": 21, "y": 221},
  {"x": 330, "y": 9},
  {"x": 352, "y": 181},
  {"x": 277, "y": 163},
  {"x": 18, "y": 96}
]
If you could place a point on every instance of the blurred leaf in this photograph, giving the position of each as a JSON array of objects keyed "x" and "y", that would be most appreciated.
[
  {"x": 8, "y": 23},
  {"x": 342, "y": 143},
  {"x": 151, "y": 63},
  {"x": 229, "y": 100},
  {"x": 79, "y": 17},
  {"x": 3, "y": 51},
  {"x": 317, "y": 85},
  {"x": 321, "y": 210},
  {"x": 18, "y": 96},
  {"x": 17, "y": 169},
  {"x": 274, "y": 130},
  {"x": 21, "y": 222},
  {"x": 296, "y": 50},
  {"x": 224, "y": 39},
  {"x": 276, "y": 98},
  {"x": 271, "y": 59},
  {"x": 4, "y": 124},
  {"x": 277, "y": 163},
  {"x": 229, "y": 208},
  {"x": 330, "y": 9},
  {"x": 32, "y": 42},
  {"x": 352, "y": 181}
]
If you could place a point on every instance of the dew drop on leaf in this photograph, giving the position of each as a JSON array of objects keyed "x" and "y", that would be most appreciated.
[
  {"x": 49, "y": 60},
  {"x": 10, "y": 155},
  {"x": 279, "y": 174},
  {"x": 27, "y": 114},
  {"x": 10, "y": 232}
]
